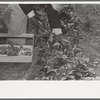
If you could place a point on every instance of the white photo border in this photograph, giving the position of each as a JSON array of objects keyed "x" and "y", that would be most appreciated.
[{"x": 50, "y": 89}]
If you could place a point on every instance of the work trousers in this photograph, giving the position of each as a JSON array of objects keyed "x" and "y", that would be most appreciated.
[{"x": 16, "y": 23}]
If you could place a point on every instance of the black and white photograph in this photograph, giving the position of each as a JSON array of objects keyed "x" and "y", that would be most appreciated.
[{"x": 49, "y": 41}]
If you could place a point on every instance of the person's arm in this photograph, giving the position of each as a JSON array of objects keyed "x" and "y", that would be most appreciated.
[
  {"x": 28, "y": 10},
  {"x": 53, "y": 19}
]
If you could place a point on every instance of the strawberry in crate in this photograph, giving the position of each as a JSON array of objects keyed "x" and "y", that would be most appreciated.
[{"x": 3, "y": 50}]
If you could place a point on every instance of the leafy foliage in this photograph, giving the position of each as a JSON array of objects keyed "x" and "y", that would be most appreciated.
[{"x": 61, "y": 56}]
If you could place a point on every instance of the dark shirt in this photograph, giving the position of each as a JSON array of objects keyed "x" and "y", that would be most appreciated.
[
  {"x": 53, "y": 17},
  {"x": 52, "y": 14},
  {"x": 27, "y": 8}
]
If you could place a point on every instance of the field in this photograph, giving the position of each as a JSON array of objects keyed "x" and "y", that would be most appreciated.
[{"x": 76, "y": 57}]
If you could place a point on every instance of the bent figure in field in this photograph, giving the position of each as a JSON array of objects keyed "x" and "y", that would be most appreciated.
[
  {"x": 15, "y": 21},
  {"x": 16, "y": 15}
]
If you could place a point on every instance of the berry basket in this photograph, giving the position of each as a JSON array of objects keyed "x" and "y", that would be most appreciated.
[{"x": 15, "y": 53}]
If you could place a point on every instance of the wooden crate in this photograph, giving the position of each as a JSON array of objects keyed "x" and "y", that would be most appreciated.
[{"x": 16, "y": 59}]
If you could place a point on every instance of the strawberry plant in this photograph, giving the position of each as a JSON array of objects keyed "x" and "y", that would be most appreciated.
[{"x": 61, "y": 57}]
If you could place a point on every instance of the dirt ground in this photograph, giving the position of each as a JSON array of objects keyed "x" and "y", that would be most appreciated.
[{"x": 13, "y": 71}]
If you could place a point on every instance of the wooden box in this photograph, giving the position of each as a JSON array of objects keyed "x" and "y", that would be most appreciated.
[{"x": 24, "y": 54}]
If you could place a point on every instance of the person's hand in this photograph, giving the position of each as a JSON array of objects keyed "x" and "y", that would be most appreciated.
[
  {"x": 35, "y": 21},
  {"x": 58, "y": 34},
  {"x": 62, "y": 40},
  {"x": 59, "y": 37}
]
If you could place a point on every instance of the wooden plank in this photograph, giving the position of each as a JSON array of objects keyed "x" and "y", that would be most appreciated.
[
  {"x": 16, "y": 59},
  {"x": 6, "y": 35}
]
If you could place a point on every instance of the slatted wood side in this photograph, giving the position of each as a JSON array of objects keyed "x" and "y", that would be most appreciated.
[
  {"x": 16, "y": 59},
  {"x": 16, "y": 36}
]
